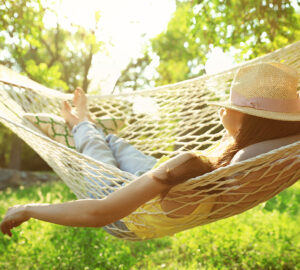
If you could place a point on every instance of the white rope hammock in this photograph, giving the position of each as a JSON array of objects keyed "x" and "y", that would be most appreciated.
[{"x": 180, "y": 121}]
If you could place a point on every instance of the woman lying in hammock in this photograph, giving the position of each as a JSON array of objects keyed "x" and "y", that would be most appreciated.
[{"x": 263, "y": 114}]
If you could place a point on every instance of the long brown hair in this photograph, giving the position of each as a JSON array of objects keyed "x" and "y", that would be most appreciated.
[{"x": 254, "y": 130}]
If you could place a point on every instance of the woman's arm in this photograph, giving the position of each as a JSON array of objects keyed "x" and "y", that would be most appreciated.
[
  {"x": 87, "y": 212},
  {"x": 98, "y": 212}
]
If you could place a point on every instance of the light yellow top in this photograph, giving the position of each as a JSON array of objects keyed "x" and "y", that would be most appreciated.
[{"x": 150, "y": 221}]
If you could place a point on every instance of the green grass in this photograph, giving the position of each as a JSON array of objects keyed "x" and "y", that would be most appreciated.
[{"x": 266, "y": 237}]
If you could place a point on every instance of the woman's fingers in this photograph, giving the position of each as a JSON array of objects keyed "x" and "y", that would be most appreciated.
[
  {"x": 6, "y": 227},
  {"x": 14, "y": 217}
]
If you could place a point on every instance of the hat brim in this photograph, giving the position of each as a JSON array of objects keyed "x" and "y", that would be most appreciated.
[{"x": 260, "y": 113}]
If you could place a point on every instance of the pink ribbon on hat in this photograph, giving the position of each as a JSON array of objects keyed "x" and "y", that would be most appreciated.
[{"x": 267, "y": 104}]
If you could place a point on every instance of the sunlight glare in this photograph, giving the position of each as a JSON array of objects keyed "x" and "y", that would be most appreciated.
[
  {"x": 145, "y": 105},
  {"x": 125, "y": 24},
  {"x": 218, "y": 61}
]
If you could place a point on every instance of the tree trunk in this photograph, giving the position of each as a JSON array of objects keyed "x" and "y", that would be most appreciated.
[
  {"x": 15, "y": 153},
  {"x": 87, "y": 65}
]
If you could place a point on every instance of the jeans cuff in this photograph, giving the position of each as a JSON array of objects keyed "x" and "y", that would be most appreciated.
[{"x": 76, "y": 127}]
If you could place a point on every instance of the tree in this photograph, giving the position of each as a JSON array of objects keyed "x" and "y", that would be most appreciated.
[
  {"x": 51, "y": 55},
  {"x": 133, "y": 76},
  {"x": 251, "y": 28}
]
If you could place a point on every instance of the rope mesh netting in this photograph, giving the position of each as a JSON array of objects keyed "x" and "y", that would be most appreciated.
[{"x": 177, "y": 119}]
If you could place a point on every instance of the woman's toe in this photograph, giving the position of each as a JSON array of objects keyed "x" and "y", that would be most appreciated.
[
  {"x": 76, "y": 97},
  {"x": 66, "y": 107},
  {"x": 79, "y": 97}
]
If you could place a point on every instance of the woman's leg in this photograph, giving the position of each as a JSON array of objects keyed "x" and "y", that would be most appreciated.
[
  {"x": 128, "y": 157},
  {"x": 91, "y": 141},
  {"x": 112, "y": 150}
]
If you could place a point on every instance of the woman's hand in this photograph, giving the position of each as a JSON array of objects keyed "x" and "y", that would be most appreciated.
[
  {"x": 14, "y": 217},
  {"x": 88, "y": 212}
]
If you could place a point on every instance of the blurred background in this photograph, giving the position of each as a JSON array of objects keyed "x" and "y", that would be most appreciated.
[{"x": 111, "y": 47}]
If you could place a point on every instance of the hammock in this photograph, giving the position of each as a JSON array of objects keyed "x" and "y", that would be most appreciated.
[{"x": 180, "y": 121}]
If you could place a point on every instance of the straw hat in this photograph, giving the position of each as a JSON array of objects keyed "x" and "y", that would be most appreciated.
[{"x": 267, "y": 90}]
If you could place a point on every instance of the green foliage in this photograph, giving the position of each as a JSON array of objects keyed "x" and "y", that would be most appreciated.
[
  {"x": 133, "y": 76},
  {"x": 171, "y": 47},
  {"x": 45, "y": 75},
  {"x": 21, "y": 26},
  {"x": 266, "y": 237},
  {"x": 246, "y": 28},
  {"x": 30, "y": 161},
  {"x": 5, "y": 148},
  {"x": 257, "y": 26},
  {"x": 53, "y": 55}
]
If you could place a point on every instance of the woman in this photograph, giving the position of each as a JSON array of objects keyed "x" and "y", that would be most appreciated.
[{"x": 263, "y": 106}]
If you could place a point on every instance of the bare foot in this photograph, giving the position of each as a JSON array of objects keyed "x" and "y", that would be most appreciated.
[
  {"x": 81, "y": 110},
  {"x": 70, "y": 118},
  {"x": 80, "y": 103}
]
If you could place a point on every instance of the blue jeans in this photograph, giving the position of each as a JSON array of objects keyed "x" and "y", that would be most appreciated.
[{"x": 91, "y": 141}]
